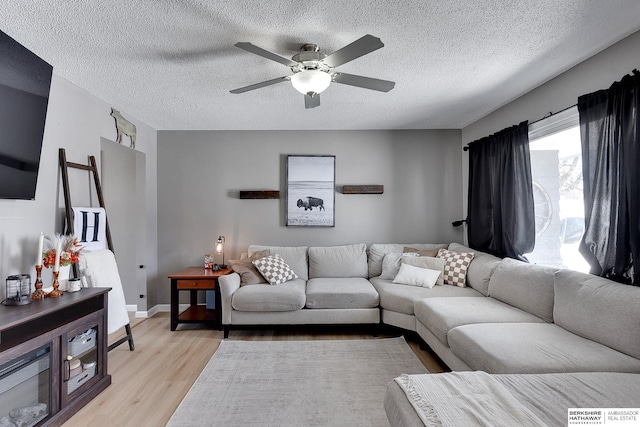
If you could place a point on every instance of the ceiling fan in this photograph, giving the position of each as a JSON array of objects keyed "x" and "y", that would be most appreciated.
[{"x": 313, "y": 71}]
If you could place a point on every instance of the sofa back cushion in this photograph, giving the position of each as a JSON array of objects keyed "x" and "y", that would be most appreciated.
[
  {"x": 598, "y": 309},
  {"x": 528, "y": 287},
  {"x": 481, "y": 268},
  {"x": 294, "y": 256},
  {"x": 338, "y": 261},
  {"x": 377, "y": 251}
]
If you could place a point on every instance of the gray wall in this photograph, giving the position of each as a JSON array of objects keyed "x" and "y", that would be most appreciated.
[
  {"x": 201, "y": 172},
  {"x": 76, "y": 120}
]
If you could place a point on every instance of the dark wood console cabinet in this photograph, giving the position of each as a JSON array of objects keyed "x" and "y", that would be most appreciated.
[{"x": 54, "y": 352}]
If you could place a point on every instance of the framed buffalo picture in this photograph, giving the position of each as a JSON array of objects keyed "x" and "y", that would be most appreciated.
[{"x": 311, "y": 191}]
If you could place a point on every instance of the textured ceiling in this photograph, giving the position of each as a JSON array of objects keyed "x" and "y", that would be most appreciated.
[{"x": 171, "y": 64}]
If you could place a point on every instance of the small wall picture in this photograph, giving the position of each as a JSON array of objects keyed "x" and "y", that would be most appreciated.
[{"x": 311, "y": 191}]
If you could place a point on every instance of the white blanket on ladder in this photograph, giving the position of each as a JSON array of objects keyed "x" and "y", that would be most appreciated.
[
  {"x": 101, "y": 271},
  {"x": 90, "y": 227}
]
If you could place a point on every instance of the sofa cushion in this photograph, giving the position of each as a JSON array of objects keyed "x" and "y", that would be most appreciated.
[
  {"x": 288, "y": 296},
  {"x": 455, "y": 268},
  {"x": 338, "y": 261},
  {"x": 507, "y": 348},
  {"x": 391, "y": 264},
  {"x": 598, "y": 309},
  {"x": 249, "y": 275},
  {"x": 294, "y": 256},
  {"x": 481, "y": 268},
  {"x": 377, "y": 251},
  {"x": 440, "y": 315},
  {"x": 427, "y": 262},
  {"x": 401, "y": 299},
  {"x": 351, "y": 292},
  {"x": 417, "y": 276},
  {"x": 526, "y": 286}
]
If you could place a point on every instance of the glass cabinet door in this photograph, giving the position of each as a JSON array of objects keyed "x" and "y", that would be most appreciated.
[
  {"x": 80, "y": 362},
  {"x": 25, "y": 388}
]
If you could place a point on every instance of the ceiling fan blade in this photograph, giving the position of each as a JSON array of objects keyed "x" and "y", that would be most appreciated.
[
  {"x": 265, "y": 53},
  {"x": 362, "y": 46},
  {"x": 311, "y": 101},
  {"x": 261, "y": 84},
  {"x": 364, "y": 82}
]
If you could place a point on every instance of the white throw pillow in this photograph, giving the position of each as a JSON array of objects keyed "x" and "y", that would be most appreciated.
[
  {"x": 427, "y": 262},
  {"x": 274, "y": 269},
  {"x": 391, "y": 264},
  {"x": 416, "y": 276}
]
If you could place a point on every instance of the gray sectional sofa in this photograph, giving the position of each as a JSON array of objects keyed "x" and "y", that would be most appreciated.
[
  {"x": 535, "y": 333},
  {"x": 536, "y": 319},
  {"x": 512, "y": 317}
]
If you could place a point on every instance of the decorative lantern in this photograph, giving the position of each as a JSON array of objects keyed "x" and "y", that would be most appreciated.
[{"x": 18, "y": 290}]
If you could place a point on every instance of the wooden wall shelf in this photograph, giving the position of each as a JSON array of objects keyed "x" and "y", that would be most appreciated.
[
  {"x": 363, "y": 189},
  {"x": 260, "y": 194}
]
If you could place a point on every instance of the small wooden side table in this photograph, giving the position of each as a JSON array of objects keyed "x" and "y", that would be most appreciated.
[{"x": 194, "y": 279}]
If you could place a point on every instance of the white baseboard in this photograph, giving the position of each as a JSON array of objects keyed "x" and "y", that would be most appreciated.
[{"x": 159, "y": 308}]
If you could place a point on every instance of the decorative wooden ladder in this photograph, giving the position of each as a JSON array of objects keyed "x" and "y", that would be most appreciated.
[{"x": 92, "y": 167}]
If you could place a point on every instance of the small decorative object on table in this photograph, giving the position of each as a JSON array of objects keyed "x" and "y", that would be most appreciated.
[
  {"x": 39, "y": 293},
  {"x": 64, "y": 250},
  {"x": 209, "y": 260},
  {"x": 18, "y": 288},
  {"x": 74, "y": 285}
]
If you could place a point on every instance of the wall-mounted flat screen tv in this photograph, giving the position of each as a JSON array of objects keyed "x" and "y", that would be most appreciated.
[{"x": 25, "y": 80}]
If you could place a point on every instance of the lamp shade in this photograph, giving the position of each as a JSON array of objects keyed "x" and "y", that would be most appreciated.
[
  {"x": 220, "y": 249},
  {"x": 310, "y": 81}
]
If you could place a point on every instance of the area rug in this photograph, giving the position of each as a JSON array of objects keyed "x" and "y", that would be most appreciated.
[{"x": 296, "y": 383}]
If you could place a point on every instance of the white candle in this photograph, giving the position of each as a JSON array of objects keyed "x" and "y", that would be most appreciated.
[
  {"x": 56, "y": 266},
  {"x": 40, "y": 244}
]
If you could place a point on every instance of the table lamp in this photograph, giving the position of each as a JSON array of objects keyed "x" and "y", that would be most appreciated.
[{"x": 220, "y": 249}]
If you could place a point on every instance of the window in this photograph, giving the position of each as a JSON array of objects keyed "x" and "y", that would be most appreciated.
[{"x": 556, "y": 169}]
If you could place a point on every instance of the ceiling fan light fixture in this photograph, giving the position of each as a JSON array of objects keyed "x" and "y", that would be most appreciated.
[{"x": 310, "y": 82}]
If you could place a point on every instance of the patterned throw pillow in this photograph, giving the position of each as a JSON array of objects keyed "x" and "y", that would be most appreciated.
[
  {"x": 274, "y": 269},
  {"x": 455, "y": 267}
]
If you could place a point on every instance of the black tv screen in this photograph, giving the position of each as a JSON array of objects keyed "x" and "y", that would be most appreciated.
[{"x": 25, "y": 80}]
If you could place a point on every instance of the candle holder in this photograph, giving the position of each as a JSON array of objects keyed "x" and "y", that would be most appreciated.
[
  {"x": 38, "y": 293},
  {"x": 55, "y": 293}
]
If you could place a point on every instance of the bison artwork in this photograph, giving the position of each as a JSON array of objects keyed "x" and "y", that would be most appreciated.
[{"x": 308, "y": 203}]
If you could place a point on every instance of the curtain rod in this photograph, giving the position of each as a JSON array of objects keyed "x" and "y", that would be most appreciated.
[
  {"x": 546, "y": 116},
  {"x": 550, "y": 114}
]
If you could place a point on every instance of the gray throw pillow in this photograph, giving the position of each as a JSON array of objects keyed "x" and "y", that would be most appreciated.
[{"x": 249, "y": 274}]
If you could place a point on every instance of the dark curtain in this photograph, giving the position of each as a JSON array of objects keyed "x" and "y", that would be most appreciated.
[
  {"x": 501, "y": 218},
  {"x": 609, "y": 130}
]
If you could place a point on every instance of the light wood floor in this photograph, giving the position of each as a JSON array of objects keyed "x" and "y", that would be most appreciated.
[{"x": 149, "y": 383}]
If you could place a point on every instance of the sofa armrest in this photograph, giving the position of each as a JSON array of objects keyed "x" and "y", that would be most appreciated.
[{"x": 228, "y": 285}]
